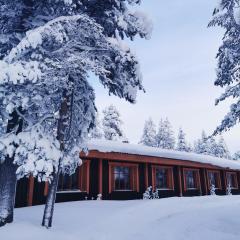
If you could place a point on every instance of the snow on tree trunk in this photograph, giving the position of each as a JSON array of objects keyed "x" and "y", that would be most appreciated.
[
  {"x": 8, "y": 179},
  {"x": 51, "y": 197},
  {"x": 44, "y": 43},
  {"x": 8, "y": 183}
]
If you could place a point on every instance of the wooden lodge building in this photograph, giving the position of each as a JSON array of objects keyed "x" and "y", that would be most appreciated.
[{"x": 122, "y": 171}]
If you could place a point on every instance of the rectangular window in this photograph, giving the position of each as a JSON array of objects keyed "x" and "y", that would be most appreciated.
[
  {"x": 123, "y": 177},
  {"x": 214, "y": 179},
  {"x": 231, "y": 178},
  {"x": 68, "y": 183},
  {"x": 191, "y": 179},
  {"x": 79, "y": 181},
  {"x": 162, "y": 177}
]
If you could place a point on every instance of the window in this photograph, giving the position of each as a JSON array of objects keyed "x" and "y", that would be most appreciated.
[
  {"x": 67, "y": 183},
  {"x": 79, "y": 181},
  {"x": 123, "y": 177},
  {"x": 191, "y": 179},
  {"x": 231, "y": 178},
  {"x": 214, "y": 179},
  {"x": 162, "y": 177}
]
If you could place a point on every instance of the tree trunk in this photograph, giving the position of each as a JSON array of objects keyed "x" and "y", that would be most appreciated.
[
  {"x": 8, "y": 179},
  {"x": 51, "y": 197},
  {"x": 8, "y": 182}
]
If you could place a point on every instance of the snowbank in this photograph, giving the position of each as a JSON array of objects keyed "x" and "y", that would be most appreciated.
[
  {"x": 119, "y": 147},
  {"x": 197, "y": 218}
]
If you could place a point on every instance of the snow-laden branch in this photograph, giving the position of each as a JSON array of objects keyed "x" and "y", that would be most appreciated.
[
  {"x": 55, "y": 29},
  {"x": 19, "y": 72}
]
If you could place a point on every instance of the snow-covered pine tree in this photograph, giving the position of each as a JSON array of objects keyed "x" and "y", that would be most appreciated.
[
  {"x": 112, "y": 124},
  {"x": 222, "y": 149},
  {"x": 160, "y": 136},
  {"x": 28, "y": 59},
  {"x": 40, "y": 98},
  {"x": 97, "y": 131},
  {"x": 209, "y": 146},
  {"x": 227, "y": 16},
  {"x": 236, "y": 156},
  {"x": 182, "y": 144},
  {"x": 190, "y": 148},
  {"x": 202, "y": 145},
  {"x": 149, "y": 134},
  {"x": 212, "y": 146},
  {"x": 165, "y": 136}
]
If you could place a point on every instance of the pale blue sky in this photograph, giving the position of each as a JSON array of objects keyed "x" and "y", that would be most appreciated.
[{"x": 178, "y": 66}]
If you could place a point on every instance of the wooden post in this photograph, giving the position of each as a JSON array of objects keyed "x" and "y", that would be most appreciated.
[
  {"x": 46, "y": 189},
  {"x": 153, "y": 177},
  {"x": 205, "y": 181},
  {"x": 100, "y": 185},
  {"x": 137, "y": 179},
  {"x": 238, "y": 179},
  {"x": 80, "y": 177},
  {"x": 180, "y": 181},
  {"x": 199, "y": 182},
  {"x": 30, "y": 191},
  {"x": 224, "y": 181},
  {"x": 110, "y": 178},
  {"x": 88, "y": 176},
  {"x": 146, "y": 175}
]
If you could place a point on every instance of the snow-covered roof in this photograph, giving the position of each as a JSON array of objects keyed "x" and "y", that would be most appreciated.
[{"x": 119, "y": 147}]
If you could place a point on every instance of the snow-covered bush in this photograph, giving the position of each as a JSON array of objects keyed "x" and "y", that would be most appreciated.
[
  {"x": 212, "y": 190},
  {"x": 229, "y": 189},
  {"x": 99, "y": 196},
  {"x": 148, "y": 194},
  {"x": 155, "y": 194}
]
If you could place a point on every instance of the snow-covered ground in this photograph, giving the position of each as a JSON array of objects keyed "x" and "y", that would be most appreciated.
[{"x": 195, "y": 218}]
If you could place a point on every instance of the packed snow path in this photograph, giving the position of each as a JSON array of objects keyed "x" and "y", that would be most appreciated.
[{"x": 195, "y": 218}]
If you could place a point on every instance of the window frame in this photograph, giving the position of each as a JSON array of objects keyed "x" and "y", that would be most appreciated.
[
  {"x": 170, "y": 177},
  {"x": 196, "y": 177},
  {"x": 219, "y": 182},
  {"x": 235, "y": 179},
  {"x": 83, "y": 172},
  {"x": 126, "y": 173},
  {"x": 134, "y": 177},
  {"x": 69, "y": 185}
]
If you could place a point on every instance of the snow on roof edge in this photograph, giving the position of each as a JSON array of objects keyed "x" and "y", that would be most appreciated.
[{"x": 119, "y": 147}]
